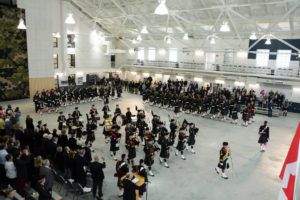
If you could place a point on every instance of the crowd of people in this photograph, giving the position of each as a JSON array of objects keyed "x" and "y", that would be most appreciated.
[
  {"x": 213, "y": 102},
  {"x": 35, "y": 155},
  {"x": 52, "y": 100}
]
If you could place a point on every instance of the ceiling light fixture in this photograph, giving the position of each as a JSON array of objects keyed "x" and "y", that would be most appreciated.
[
  {"x": 21, "y": 24},
  {"x": 144, "y": 30},
  {"x": 57, "y": 35},
  {"x": 225, "y": 27},
  {"x": 70, "y": 19},
  {"x": 186, "y": 36},
  {"x": 212, "y": 40},
  {"x": 139, "y": 38},
  {"x": 268, "y": 41},
  {"x": 134, "y": 41},
  {"x": 252, "y": 36},
  {"x": 161, "y": 9},
  {"x": 169, "y": 41}
]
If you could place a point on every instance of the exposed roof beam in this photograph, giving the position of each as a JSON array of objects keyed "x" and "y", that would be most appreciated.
[
  {"x": 247, "y": 20},
  {"x": 233, "y": 25},
  {"x": 284, "y": 16}
]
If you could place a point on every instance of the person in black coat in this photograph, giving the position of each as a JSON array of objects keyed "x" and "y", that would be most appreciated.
[
  {"x": 88, "y": 153},
  {"x": 72, "y": 142},
  {"x": 129, "y": 188},
  {"x": 80, "y": 164},
  {"x": 63, "y": 139},
  {"x": 22, "y": 171},
  {"x": 96, "y": 169},
  {"x": 44, "y": 194}
]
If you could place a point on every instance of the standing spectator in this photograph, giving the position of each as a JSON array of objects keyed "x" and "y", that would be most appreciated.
[
  {"x": 44, "y": 194},
  {"x": 17, "y": 114},
  {"x": 22, "y": 172},
  {"x": 47, "y": 172},
  {"x": 29, "y": 123},
  {"x": 97, "y": 175},
  {"x": 270, "y": 108},
  {"x": 11, "y": 171},
  {"x": 3, "y": 154},
  {"x": 2, "y": 124},
  {"x": 81, "y": 164}
]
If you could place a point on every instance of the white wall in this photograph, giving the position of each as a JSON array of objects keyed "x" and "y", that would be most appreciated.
[
  {"x": 240, "y": 57},
  {"x": 39, "y": 37},
  {"x": 44, "y": 17},
  {"x": 89, "y": 56}
]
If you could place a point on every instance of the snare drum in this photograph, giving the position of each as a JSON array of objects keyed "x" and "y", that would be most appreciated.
[
  {"x": 74, "y": 127},
  {"x": 134, "y": 119},
  {"x": 109, "y": 113}
]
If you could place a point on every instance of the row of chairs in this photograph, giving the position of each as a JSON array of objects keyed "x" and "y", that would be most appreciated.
[{"x": 70, "y": 187}]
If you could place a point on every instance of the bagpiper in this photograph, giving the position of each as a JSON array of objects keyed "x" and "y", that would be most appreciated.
[
  {"x": 224, "y": 155},
  {"x": 264, "y": 132}
]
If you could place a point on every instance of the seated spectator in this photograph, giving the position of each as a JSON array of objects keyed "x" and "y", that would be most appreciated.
[{"x": 9, "y": 194}]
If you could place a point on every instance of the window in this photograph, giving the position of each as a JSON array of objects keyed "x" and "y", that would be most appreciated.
[
  {"x": 141, "y": 53},
  {"x": 54, "y": 40},
  {"x": 55, "y": 61},
  {"x": 283, "y": 58},
  {"x": 70, "y": 41},
  {"x": 262, "y": 57},
  {"x": 173, "y": 55},
  {"x": 151, "y": 53},
  {"x": 71, "y": 60}
]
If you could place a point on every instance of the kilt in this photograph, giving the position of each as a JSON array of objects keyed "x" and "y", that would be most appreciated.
[
  {"x": 180, "y": 146},
  {"x": 262, "y": 139},
  {"x": 164, "y": 153}
]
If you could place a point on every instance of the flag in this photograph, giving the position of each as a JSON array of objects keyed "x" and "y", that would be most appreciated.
[{"x": 289, "y": 171}]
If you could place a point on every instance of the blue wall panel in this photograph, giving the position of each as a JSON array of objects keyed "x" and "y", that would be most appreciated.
[{"x": 274, "y": 47}]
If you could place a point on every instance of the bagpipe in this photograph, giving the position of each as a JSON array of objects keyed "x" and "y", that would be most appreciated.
[{"x": 178, "y": 126}]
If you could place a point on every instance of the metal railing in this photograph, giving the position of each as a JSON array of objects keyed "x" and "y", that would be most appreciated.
[{"x": 213, "y": 67}]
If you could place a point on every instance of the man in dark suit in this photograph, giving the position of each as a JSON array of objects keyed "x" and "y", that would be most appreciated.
[
  {"x": 97, "y": 176},
  {"x": 129, "y": 188},
  {"x": 81, "y": 164},
  {"x": 72, "y": 142},
  {"x": 44, "y": 194},
  {"x": 47, "y": 172},
  {"x": 88, "y": 153},
  {"x": 22, "y": 170}
]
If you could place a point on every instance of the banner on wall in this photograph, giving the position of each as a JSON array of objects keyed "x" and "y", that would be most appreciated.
[
  {"x": 63, "y": 81},
  {"x": 14, "y": 78},
  {"x": 79, "y": 80}
]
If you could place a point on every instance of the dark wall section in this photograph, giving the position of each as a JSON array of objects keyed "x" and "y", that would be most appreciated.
[
  {"x": 14, "y": 80},
  {"x": 276, "y": 45}
]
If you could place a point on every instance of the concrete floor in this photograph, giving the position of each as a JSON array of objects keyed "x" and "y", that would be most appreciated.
[{"x": 253, "y": 176}]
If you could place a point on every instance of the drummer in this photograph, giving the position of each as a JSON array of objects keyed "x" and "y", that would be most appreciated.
[
  {"x": 61, "y": 121},
  {"x": 128, "y": 115},
  {"x": 77, "y": 126},
  {"x": 70, "y": 122},
  {"x": 76, "y": 113},
  {"x": 93, "y": 112},
  {"x": 118, "y": 110},
  {"x": 105, "y": 109}
]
